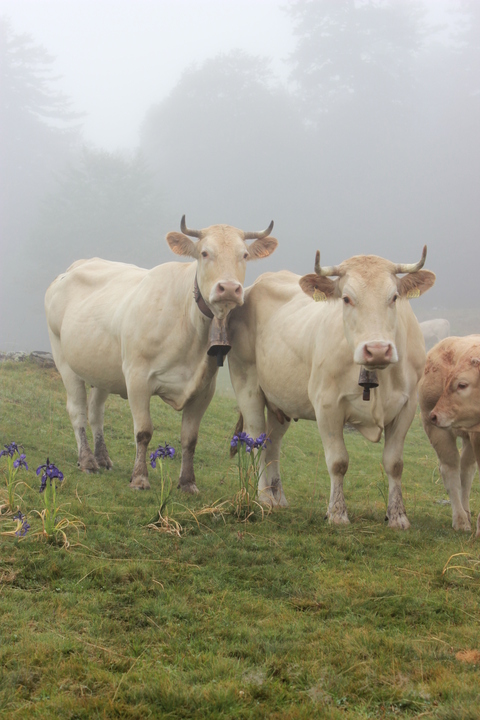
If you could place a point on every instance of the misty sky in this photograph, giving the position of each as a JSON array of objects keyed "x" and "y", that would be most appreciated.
[
  {"x": 381, "y": 159},
  {"x": 116, "y": 58}
]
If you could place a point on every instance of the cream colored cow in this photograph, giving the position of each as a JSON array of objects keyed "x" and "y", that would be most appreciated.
[
  {"x": 450, "y": 404},
  {"x": 298, "y": 358},
  {"x": 138, "y": 333},
  {"x": 435, "y": 330}
]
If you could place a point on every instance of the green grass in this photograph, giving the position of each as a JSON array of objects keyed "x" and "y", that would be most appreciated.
[{"x": 285, "y": 618}]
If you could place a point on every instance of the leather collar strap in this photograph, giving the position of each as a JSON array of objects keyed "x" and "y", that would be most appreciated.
[{"x": 202, "y": 305}]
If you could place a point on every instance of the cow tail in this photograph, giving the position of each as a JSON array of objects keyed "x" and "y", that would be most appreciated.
[{"x": 238, "y": 430}]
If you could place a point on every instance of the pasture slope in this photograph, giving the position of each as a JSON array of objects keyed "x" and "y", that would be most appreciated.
[{"x": 280, "y": 618}]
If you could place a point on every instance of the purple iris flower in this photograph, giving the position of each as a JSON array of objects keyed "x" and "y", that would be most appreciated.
[
  {"x": 261, "y": 441},
  {"x": 20, "y": 462},
  {"x": 50, "y": 471},
  {"x": 243, "y": 438},
  {"x": 25, "y": 527},
  {"x": 166, "y": 451},
  {"x": 11, "y": 449}
]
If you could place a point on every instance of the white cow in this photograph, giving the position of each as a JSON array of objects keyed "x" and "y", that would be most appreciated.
[
  {"x": 449, "y": 395},
  {"x": 301, "y": 359},
  {"x": 435, "y": 330},
  {"x": 138, "y": 333}
]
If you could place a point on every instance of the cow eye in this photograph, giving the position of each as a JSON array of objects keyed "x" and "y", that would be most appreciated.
[
  {"x": 245, "y": 255},
  {"x": 346, "y": 300},
  {"x": 395, "y": 298},
  {"x": 204, "y": 253},
  {"x": 462, "y": 386}
]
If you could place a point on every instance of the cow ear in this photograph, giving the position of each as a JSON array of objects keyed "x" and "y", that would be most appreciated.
[
  {"x": 319, "y": 288},
  {"x": 262, "y": 248},
  {"x": 415, "y": 284},
  {"x": 181, "y": 244}
]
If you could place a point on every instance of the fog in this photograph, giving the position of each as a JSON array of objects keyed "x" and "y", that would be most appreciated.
[{"x": 353, "y": 125}]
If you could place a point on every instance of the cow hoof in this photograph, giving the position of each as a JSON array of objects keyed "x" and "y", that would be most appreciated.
[
  {"x": 190, "y": 488},
  {"x": 88, "y": 467},
  {"x": 462, "y": 525},
  {"x": 105, "y": 464},
  {"x": 271, "y": 501},
  {"x": 338, "y": 518},
  {"x": 274, "y": 494},
  {"x": 399, "y": 523},
  {"x": 140, "y": 483}
]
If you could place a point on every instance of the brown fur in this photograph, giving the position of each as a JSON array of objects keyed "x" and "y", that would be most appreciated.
[
  {"x": 238, "y": 430},
  {"x": 441, "y": 404}
]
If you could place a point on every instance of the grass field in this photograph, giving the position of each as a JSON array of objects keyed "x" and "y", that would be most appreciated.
[{"x": 285, "y": 617}]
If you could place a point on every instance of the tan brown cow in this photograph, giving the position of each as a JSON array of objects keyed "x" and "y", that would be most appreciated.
[
  {"x": 450, "y": 404},
  {"x": 298, "y": 358},
  {"x": 138, "y": 333}
]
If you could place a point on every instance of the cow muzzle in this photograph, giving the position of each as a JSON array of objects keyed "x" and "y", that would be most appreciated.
[
  {"x": 376, "y": 355},
  {"x": 227, "y": 291},
  {"x": 436, "y": 418},
  {"x": 444, "y": 419}
]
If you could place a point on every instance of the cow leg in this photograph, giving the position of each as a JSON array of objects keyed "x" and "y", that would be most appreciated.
[
  {"x": 445, "y": 445},
  {"x": 77, "y": 410},
  {"x": 253, "y": 413},
  {"x": 270, "y": 483},
  {"x": 139, "y": 400},
  {"x": 336, "y": 457},
  {"x": 395, "y": 434},
  {"x": 192, "y": 415},
  {"x": 76, "y": 405},
  {"x": 251, "y": 402},
  {"x": 96, "y": 412},
  {"x": 475, "y": 441},
  {"x": 468, "y": 468}
]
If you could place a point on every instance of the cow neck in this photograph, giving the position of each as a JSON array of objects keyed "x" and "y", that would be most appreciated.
[
  {"x": 218, "y": 340},
  {"x": 202, "y": 305}
]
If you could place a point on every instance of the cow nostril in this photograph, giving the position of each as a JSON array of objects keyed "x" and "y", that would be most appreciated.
[
  {"x": 378, "y": 352},
  {"x": 238, "y": 290},
  {"x": 433, "y": 418}
]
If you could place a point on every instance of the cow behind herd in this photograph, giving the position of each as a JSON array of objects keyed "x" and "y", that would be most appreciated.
[{"x": 337, "y": 351}]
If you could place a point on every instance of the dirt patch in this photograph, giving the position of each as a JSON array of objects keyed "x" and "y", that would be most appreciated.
[{"x": 469, "y": 656}]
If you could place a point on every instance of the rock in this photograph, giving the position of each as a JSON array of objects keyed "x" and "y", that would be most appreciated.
[
  {"x": 13, "y": 356},
  {"x": 44, "y": 359}
]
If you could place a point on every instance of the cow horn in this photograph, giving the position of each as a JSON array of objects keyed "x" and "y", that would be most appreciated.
[
  {"x": 187, "y": 231},
  {"x": 258, "y": 235},
  {"x": 327, "y": 270},
  {"x": 412, "y": 267}
]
